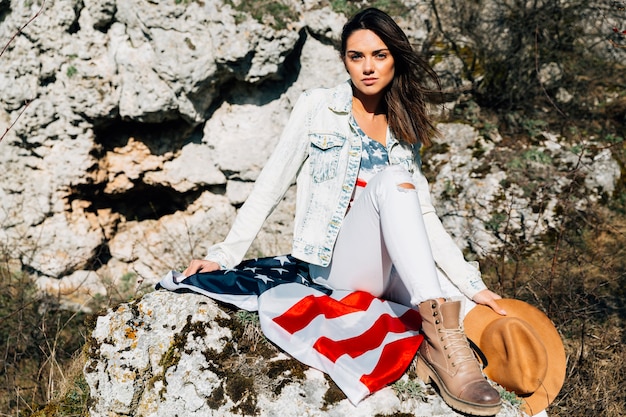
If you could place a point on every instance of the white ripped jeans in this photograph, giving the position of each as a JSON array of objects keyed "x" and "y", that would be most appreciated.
[{"x": 383, "y": 248}]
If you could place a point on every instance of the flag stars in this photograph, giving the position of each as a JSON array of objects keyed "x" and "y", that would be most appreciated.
[
  {"x": 263, "y": 278},
  {"x": 280, "y": 270},
  {"x": 282, "y": 259}
]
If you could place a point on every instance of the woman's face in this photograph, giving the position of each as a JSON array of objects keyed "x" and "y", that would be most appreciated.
[{"x": 369, "y": 62}]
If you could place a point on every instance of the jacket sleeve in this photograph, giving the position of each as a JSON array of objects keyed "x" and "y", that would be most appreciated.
[
  {"x": 448, "y": 257},
  {"x": 270, "y": 187}
]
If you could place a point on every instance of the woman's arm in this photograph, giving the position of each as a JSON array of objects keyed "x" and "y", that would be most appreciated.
[
  {"x": 449, "y": 257},
  {"x": 446, "y": 253}
]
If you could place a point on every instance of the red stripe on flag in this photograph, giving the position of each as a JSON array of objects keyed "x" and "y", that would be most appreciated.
[
  {"x": 370, "y": 339},
  {"x": 359, "y": 300},
  {"x": 306, "y": 310},
  {"x": 360, "y": 183},
  {"x": 392, "y": 363}
]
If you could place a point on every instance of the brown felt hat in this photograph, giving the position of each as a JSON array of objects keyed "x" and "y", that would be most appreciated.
[{"x": 524, "y": 351}]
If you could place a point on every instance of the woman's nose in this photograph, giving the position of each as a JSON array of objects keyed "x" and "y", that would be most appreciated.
[{"x": 368, "y": 66}]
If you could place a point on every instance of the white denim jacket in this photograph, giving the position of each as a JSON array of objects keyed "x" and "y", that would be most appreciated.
[{"x": 319, "y": 150}]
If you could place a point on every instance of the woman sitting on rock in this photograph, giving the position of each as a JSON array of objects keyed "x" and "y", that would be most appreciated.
[{"x": 364, "y": 218}]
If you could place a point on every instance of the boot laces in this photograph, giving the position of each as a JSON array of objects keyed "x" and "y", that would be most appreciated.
[{"x": 456, "y": 345}]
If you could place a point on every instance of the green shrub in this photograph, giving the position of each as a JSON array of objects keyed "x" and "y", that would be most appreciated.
[{"x": 275, "y": 13}]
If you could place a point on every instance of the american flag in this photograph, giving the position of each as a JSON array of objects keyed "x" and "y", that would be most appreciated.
[{"x": 362, "y": 342}]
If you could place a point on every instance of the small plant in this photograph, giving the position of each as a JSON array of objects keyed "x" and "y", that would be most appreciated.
[
  {"x": 522, "y": 161},
  {"x": 409, "y": 389},
  {"x": 496, "y": 220},
  {"x": 252, "y": 332},
  {"x": 348, "y": 8},
  {"x": 451, "y": 190},
  {"x": 72, "y": 401},
  {"x": 274, "y": 13},
  {"x": 613, "y": 139},
  {"x": 510, "y": 397},
  {"x": 469, "y": 112},
  {"x": 247, "y": 317},
  {"x": 577, "y": 149},
  {"x": 71, "y": 71},
  {"x": 537, "y": 155},
  {"x": 533, "y": 127}
]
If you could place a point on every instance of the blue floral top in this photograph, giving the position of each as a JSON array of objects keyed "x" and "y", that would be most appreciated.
[{"x": 374, "y": 158}]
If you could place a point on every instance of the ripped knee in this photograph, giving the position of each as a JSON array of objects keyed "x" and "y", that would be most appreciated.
[{"x": 406, "y": 186}]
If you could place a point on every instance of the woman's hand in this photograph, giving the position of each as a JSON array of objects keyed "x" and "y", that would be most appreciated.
[
  {"x": 489, "y": 298},
  {"x": 200, "y": 265}
]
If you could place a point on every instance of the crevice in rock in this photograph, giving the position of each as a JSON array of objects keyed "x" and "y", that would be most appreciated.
[
  {"x": 104, "y": 25},
  {"x": 324, "y": 40},
  {"x": 74, "y": 27},
  {"x": 141, "y": 202},
  {"x": 45, "y": 81},
  {"x": 101, "y": 256},
  {"x": 160, "y": 138},
  {"x": 5, "y": 9}
]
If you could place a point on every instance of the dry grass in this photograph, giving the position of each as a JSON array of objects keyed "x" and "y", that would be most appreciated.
[{"x": 37, "y": 341}]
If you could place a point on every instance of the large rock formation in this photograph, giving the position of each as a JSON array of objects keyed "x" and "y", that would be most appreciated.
[{"x": 141, "y": 125}]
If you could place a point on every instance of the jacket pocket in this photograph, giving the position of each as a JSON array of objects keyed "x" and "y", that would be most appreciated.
[{"x": 324, "y": 155}]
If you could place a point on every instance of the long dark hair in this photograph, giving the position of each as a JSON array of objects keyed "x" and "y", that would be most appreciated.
[{"x": 406, "y": 97}]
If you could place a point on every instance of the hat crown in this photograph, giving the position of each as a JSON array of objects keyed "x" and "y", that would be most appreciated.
[{"x": 517, "y": 356}]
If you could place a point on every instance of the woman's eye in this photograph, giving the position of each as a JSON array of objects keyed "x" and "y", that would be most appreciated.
[
  {"x": 356, "y": 57},
  {"x": 381, "y": 56}
]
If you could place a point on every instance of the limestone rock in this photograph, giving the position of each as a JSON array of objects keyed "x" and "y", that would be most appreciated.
[{"x": 139, "y": 126}]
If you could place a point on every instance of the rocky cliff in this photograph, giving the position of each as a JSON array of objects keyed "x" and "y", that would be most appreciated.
[{"x": 138, "y": 128}]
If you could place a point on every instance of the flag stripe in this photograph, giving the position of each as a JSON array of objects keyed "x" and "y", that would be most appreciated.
[
  {"x": 392, "y": 362},
  {"x": 306, "y": 310},
  {"x": 371, "y": 338}
]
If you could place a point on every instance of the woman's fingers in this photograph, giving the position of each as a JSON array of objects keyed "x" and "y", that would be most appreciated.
[
  {"x": 200, "y": 265},
  {"x": 489, "y": 298}
]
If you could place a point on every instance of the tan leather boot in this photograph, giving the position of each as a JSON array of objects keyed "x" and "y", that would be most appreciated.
[{"x": 446, "y": 359}]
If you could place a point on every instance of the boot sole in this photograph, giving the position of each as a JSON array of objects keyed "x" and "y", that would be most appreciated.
[{"x": 428, "y": 375}]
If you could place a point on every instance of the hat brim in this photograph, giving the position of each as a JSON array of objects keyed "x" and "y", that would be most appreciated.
[{"x": 481, "y": 316}]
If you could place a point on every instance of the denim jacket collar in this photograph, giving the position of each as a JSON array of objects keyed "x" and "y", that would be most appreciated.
[{"x": 341, "y": 101}]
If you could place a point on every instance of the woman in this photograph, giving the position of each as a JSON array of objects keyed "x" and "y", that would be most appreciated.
[{"x": 364, "y": 218}]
